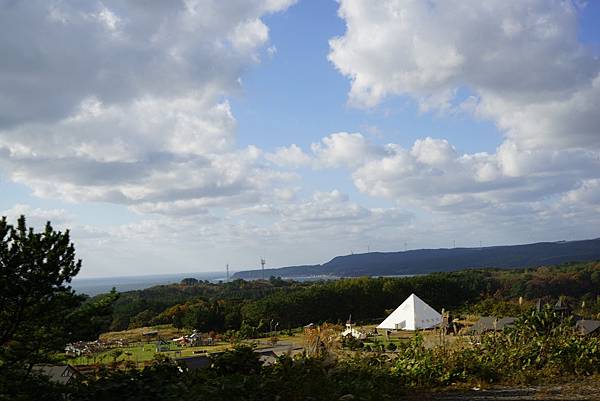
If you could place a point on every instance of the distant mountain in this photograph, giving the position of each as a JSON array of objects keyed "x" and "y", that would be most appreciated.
[{"x": 440, "y": 260}]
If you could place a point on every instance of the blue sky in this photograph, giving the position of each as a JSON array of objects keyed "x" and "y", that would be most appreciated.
[
  {"x": 298, "y": 97},
  {"x": 184, "y": 136}
]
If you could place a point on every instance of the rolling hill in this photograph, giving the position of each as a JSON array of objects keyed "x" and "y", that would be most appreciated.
[{"x": 422, "y": 261}]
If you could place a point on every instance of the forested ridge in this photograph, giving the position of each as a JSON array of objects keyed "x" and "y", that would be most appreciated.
[{"x": 421, "y": 261}]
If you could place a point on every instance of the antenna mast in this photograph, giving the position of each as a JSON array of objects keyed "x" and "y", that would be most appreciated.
[
  {"x": 227, "y": 268},
  {"x": 262, "y": 263}
]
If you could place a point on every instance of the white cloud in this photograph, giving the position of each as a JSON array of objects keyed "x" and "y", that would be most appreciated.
[
  {"x": 118, "y": 102},
  {"x": 247, "y": 36},
  {"x": 343, "y": 149},
  {"x": 588, "y": 192},
  {"x": 522, "y": 60},
  {"x": 67, "y": 51},
  {"x": 567, "y": 120},
  {"x": 433, "y": 174},
  {"x": 434, "y": 152},
  {"x": 292, "y": 156},
  {"x": 37, "y": 217},
  {"x": 524, "y": 69}
]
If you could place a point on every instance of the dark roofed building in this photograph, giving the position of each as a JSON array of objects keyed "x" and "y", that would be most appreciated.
[
  {"x": 195, "y": 362},
  {"x": 267, "y": 356},
  {"x": 57, "y": 373},
  {"x": 588, "y": 327},
  {"x": 490, "y": 323}
]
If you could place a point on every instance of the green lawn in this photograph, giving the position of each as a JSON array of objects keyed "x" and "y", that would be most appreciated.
[{"x": 142, "y": 353}]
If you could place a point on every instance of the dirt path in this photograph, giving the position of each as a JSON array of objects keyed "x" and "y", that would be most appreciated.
[{"x": 586, "y": 390}]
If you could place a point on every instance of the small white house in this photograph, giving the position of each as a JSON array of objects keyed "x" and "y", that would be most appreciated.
[
  {"x": 351, "y": 331},
  {"x": 412, "y": 314}
]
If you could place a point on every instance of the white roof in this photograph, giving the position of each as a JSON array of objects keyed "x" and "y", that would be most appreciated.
[
  {"x": 354, "y": 333},
  {"x": 412, "y": 314}
]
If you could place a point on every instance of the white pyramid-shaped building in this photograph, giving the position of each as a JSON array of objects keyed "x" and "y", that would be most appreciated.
[{"x": 413, "y": 314}]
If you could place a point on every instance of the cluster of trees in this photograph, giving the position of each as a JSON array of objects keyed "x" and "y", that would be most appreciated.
[
  {"x": 169, "y": 303},
  {"x": 251, "y": 305},
  {"x": 230, "y": 306}
]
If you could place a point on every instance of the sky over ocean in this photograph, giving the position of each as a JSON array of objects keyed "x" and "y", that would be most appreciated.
[{"x": 184, "y": 135}]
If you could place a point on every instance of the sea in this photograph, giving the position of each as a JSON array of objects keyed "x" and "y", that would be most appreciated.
[{"x": 100, "y": 285}]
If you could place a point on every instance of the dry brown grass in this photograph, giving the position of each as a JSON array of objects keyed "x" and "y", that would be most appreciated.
[{"x": 165, "y": 332}]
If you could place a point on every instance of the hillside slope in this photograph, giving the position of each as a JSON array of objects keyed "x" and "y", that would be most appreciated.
[{"x": 441, "y": 260}]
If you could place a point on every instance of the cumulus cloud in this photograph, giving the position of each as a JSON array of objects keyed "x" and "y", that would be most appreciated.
[
  {"x": 524, "y": 69},
  {"x": 522, "y": 60},
  {"x": 323, "y": 216},
  {"x": 37, "y": 217},
  {"x": 61, "y": 219},
  {"x": 567, "y": 120},
  {"x": 588, "y": 192},
  {"x": 120, "y": 102},
  {"x": 433, "y": 175},
  {"x": 343, "y": 149},
  {"x": 276, "y": 229},
  {"x": 121, "y": 50},
  {"x": 290, "y": 156}
]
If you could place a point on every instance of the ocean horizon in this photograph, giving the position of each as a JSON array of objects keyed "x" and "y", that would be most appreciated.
[{"x": 99, "y": 285}]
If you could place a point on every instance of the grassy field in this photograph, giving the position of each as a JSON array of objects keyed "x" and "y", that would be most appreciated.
[
  {"x": 141, "y": 349},
  {"x": 144, "y": 352}
]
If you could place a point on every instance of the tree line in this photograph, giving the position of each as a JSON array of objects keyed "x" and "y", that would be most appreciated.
[{"x": 252, "y": 305}]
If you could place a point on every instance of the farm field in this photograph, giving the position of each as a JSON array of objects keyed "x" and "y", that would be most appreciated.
[{"x": 140, "y": 350}]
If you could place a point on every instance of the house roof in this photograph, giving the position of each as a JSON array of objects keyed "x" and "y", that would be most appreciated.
[
  {"x": 195, "y": 362},
  {"x": 586, "y": 327},
  {"x": 57, "y": 373},
  {"x": 490, "y": 323}
]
